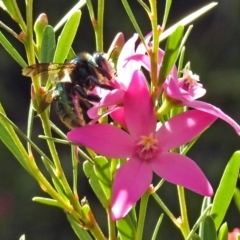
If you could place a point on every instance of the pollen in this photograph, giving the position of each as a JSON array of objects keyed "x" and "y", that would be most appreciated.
[
  {"x": 147, "y": 147},
  {"x": 190, "y": 77}
]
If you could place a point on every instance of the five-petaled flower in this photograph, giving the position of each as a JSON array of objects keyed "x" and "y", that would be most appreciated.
[
  {"x": 184, "y": 91},
  {"x": 146, "y": 147},
  {"x": 181, "y": 91}
]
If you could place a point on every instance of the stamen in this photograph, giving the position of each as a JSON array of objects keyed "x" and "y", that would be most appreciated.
[
  {"x": 147, "y": 147},
  {"x": 190, "y": 77}
]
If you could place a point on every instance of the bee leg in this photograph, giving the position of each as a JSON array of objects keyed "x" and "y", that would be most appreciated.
[
  {"x": 104, "y": 86},
  {"x": 88, "y": 96}
]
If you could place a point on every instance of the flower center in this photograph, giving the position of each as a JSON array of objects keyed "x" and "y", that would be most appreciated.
[
  {"x": 189, "y": 79},
  {"x": 147, "y": 147}
]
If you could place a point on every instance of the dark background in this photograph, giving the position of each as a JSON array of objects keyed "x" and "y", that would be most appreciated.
[{"x": 214, "y": 51}]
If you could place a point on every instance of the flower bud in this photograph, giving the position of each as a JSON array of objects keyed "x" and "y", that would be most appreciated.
[{"x": 39, "y": 26}]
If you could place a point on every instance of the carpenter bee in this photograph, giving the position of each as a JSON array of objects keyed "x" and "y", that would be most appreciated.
[{"x": 73, "y": 81}]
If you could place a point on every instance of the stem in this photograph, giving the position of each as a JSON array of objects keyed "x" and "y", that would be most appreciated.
[
  {"x": 165, "y": 209},
  {"x": 9, "y": 30},
  {"x": 159, "y": 185},
  {"x": 142, "y": 215},
  {"x": 111, "y": 226},
  {"x": 154, "y": 51},
  {"x": 75, "y": 170},
  {"x": 184, "y": 225},
  {"x": 29, "y": 126},
  {"x": 99, "y": 26},
  {"x": 46, "y": 186}
]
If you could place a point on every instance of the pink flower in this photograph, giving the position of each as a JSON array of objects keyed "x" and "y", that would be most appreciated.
[
  {"x": 146, "y": 147},
  {"x": 234, "y": 234},
  {"x": 187, "y": 89},
  {"x": 114, "y": 98}
]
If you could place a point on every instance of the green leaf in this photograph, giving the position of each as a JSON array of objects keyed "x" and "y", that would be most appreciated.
[
  {"x": 223, "y": 232},
  {"x": 199, "y": 221},
  {"x": 80, "y": 4},
  {"x": 171, "y": 53},
  {"x": 156, "y": 229},
  {"x": 94, "y": 183},
  {"x": 23, "y": 237},
  {"x": 166, "y": 12},
  {"x": 196, "y": 237},
  {"x": 79, "y": 231},
  {"x": 12, "y": 142},
  {"x": 209, "y": 230},
  {"x": 47, "y": 201},
  {"x": 225, "y": 190},
  {"x": 237, "y": 198},
  {"x": 12, "y": 51},
  {"x": 102, "y": 170},
  {"x": 48, "y": 45},
  {"x": 133, "y": 19},
  {"x": 66, "y": 38},
  {"x": 8, "y": 7},
  {"x": 56, "y": 181},
  {"x": 190, "y": 18},
  {"x": 126, "y": 228}
]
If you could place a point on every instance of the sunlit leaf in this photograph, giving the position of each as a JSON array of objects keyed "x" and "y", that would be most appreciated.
[
  {"x": 102, "y": 170},
  {"x": 66, "y": 38},
  {"x": 171, "y": 53},
  {"x": 225, "y": 190},
  {"x": 223, "y": 232},
  {"x": 94, "y": 183},
  {"x": 47, "y": 201},
  {"x": 12, "y": 51}
]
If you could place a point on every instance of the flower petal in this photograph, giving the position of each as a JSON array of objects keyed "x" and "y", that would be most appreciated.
[
  {"x": 172, "y": 90},
  {"x": 132, "y": 179},
  {"x": 125, "y": 70},
  {"x": 104, "y": 139},
  {"x": 210, "y": 109},
  {"x": 118, "y": 116},
  {"x": 182, "y": 128},
  {"x": 139, "y": 111},
  {"x": 181, "y": 170}
]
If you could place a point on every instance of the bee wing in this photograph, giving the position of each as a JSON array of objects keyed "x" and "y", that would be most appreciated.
[
  {"x": 46, "y": 100},
  {"x": 57, "y": 72}
]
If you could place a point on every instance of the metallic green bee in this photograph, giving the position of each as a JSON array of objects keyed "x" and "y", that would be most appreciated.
[{"x": 73, "y": 81}]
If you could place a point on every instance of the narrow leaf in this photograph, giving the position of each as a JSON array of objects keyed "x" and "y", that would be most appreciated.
[
  {"x": 12, "y": 142},
  {"x": 48, "y": 45},
  {"x": 47, "y": 201},
  {"x": 23, "y": 237},
  {"x": 79, "y": 231},
  {"x": 80, "y": 4},
  {"x": 166, "y": 12},
  {"x": 209, "y": 230},
  {"x": 198, "y": 222},
  {"x": 12, "y": 51},
  {"x": 190, "y": 18},
  {"x": 126, "y": 228},
  {"x": 237, "y": 198},
  {"x": 225, "y": 190},
  {"x": 171, "y": 53},
  {"x": 94, "y": 183},
  {"x": 102, "y": 170},
  {"x": 156, "y": 230},
  {"x": 66, "y": 38},
  {"x": 223, "y": 232}
]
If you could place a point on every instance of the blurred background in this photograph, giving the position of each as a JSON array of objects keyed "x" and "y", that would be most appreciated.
[{"x": 213, "y": 49}]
